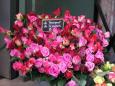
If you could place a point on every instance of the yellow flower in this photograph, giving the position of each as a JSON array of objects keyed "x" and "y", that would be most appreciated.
[{"x": 99, "y": 79}]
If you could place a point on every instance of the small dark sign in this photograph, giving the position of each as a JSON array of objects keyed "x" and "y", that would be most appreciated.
[{"x": 48, "y": 24}]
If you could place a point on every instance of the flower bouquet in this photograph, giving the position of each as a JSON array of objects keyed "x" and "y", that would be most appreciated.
[{"x": 63, "y": 57}]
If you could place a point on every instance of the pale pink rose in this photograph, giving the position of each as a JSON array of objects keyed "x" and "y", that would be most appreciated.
[
  {"x": 100, "y": 55},
  {"x": 105, "y": 43},
  {"x": 82, "y": 42},
  {"x": 45, "y": 51},
  {"x": 71, "y": 83},
  {"x": 59, "y": 39},
  {"x": 24, "y": 40},
  {"x": 39, "y": 62},
  {"x": 76, "y": 59},
  {"x": 7, "y": 41},
  {"x": 19, "y": 23},
  {"x": 90, "y": 57},
  {"x": 54, "y": 70},
  {"x": 17, "y": 66},
  {"x": 19, "y": 16},
  {"x": 15, "y": 53},
  {"x": 90, "y": 66},
  {"x": 88, "y": 51},
  {"x": 62, "y": 67},
  {"x": 107, "y": 34}
]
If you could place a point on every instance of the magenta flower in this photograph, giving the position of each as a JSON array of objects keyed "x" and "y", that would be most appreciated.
[
  {"x": 90, "y": 66},
  {"x": 45, "y": 51},
  {"x": 52, "y": 58},
  {"x": 67, "y": 57},
  {"x": 71, "y": 83},
  {"x": 90, "y": 57},
  {"x": 15, "y": 53}
]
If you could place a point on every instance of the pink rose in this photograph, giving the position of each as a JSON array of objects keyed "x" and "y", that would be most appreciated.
[
  {"x": 67, "y": 57},
  {"x": 17, "y": 65},
  {"x": 19, "y": 23},
  {"x": 59, "y": 39},
  {"x": 52, "y": 58},
  {"x": 71, "y": 83},
  {"x": 112, "y": 77},
  {"x": 41, "y": 70},
  {"x": 90, "y": 57},
  {"x": 15, "y": 53},
  {"x": 54, "y": 70},
  {"x": 105, "y": 43},
  {"x": 76, "y": 60},
  {"x": 28, "y": 52},
  {"x": 32, "y": 17},
  {"x": 7, "y": 41},
  {"x": 82, "y": 42},
  {"x": 90, "y": 66},
  {"x": 39, "y": 62},
  {"x": 62, "y": 67},
  {"x": 45, "y": 51},
  {"x": 107, "y": 34},
  {"x": 81, "y": 18},
  {"x": 25, "y": 30},
  {"x": 100, "y": 55}
]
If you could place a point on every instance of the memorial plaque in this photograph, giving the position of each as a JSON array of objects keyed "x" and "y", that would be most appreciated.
[{"x": 48, "y": 24}]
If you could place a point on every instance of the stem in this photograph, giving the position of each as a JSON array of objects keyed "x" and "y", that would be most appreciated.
[{"x": 31, "y": 75}]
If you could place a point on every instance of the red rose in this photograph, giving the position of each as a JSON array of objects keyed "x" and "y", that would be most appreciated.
[
  {"x": 57, "y": 12},
  {"x": 68, "y": 74}
]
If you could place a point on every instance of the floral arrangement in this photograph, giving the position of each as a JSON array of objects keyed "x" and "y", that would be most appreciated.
[
  {"x": 61, "y": 56},
  {"x": 105, "y": 75}
]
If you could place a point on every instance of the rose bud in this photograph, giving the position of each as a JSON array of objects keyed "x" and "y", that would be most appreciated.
[
  {"x": 68, "y": 74},
  {"x": 19, "y": 16}
]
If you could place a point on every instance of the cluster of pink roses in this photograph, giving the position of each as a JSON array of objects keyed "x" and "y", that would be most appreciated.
[{"x": 77, "y": 47}]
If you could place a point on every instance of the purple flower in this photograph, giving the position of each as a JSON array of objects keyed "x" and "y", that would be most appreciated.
[
  {"x": 15, "y": 53},
  {"x": 45, "y": 51},
  {"x": 90, "y": 57},
  {"x": 71, "y": 83},
  {"x": 90, "y": 66}
]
